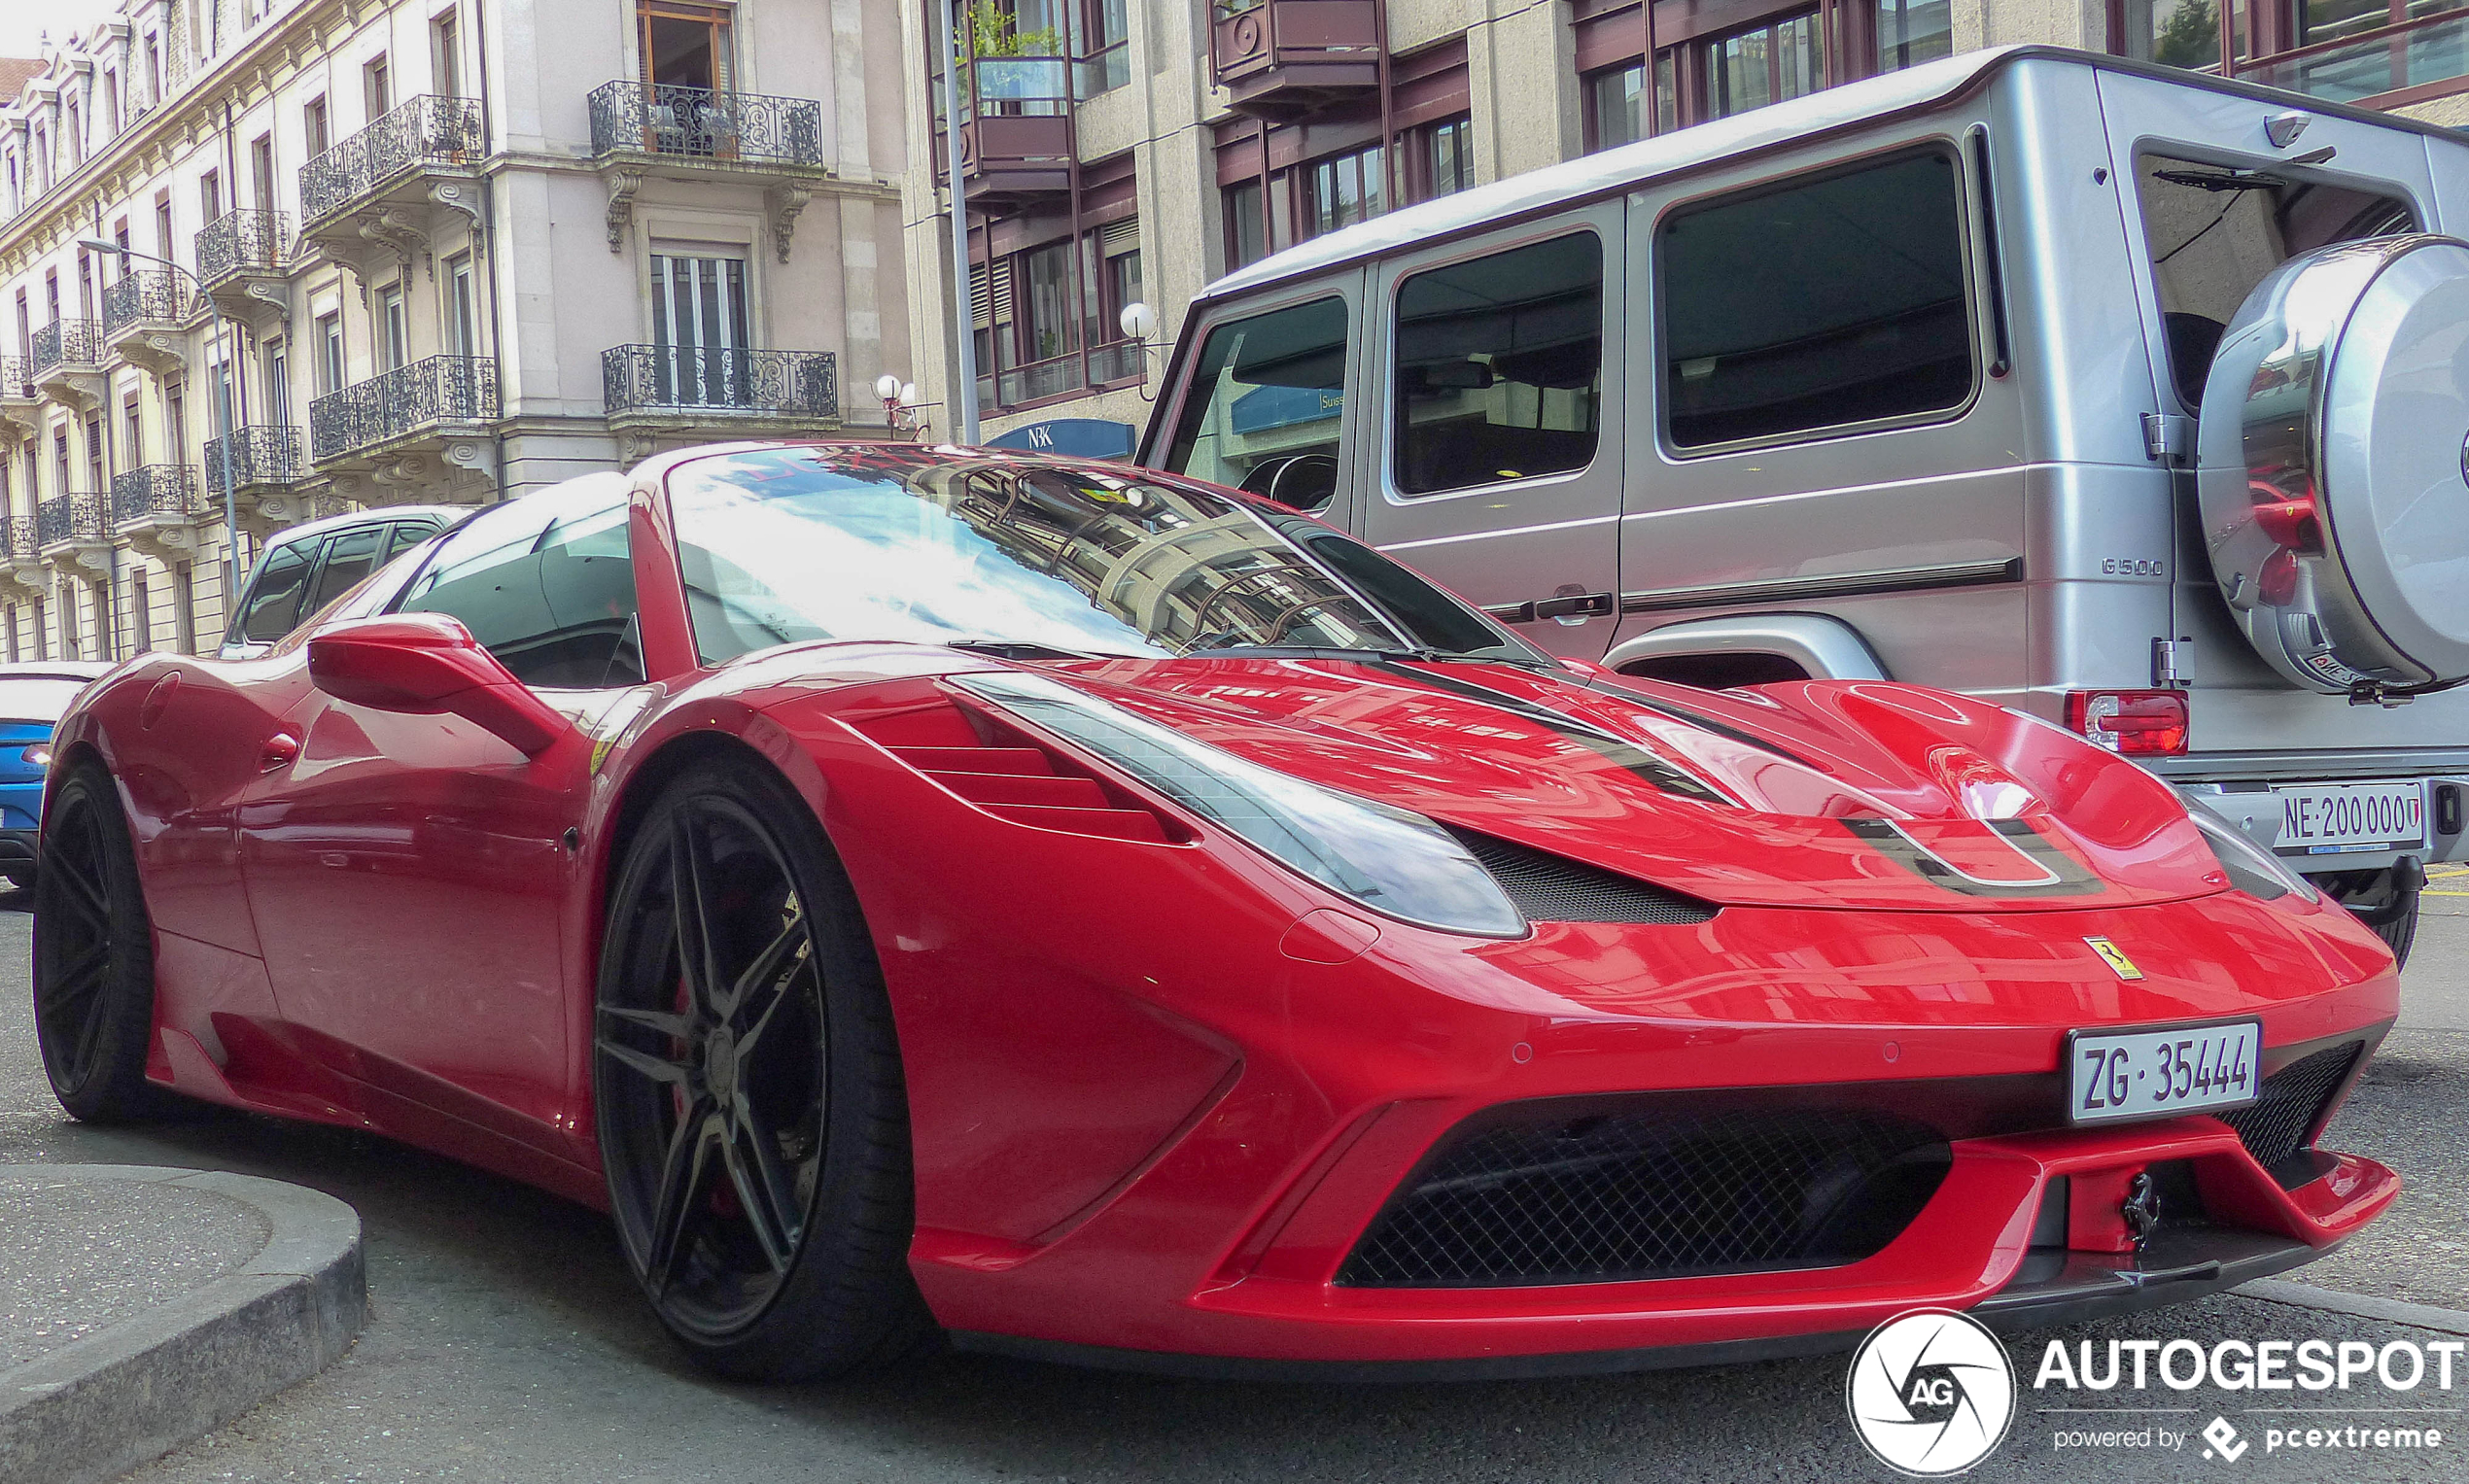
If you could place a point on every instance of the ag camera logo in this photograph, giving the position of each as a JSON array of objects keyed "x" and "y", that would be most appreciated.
[{"x": 1932, "y": 1393}]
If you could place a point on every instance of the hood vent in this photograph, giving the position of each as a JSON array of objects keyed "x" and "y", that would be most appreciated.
[{"x": 1553, "y": 888}]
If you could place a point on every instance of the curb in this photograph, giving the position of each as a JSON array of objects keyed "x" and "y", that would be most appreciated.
[
  {"x": 2396, "y": 1311},
  {"x": 131, "y": 1393}
]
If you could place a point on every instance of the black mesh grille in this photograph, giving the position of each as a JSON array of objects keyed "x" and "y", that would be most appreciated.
[
  {"x": 1553, "y": 1198},
  {"x": 2275, "y": 1125},
  {"x": 1551, "y": 888}
]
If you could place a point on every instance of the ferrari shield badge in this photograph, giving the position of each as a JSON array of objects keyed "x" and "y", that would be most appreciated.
[{"x": 2115, "y": 957}]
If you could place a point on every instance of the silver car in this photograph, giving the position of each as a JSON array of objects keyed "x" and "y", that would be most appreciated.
[
  {"x": 309, "y": 566},
  {"x": 2127, "y": 397}
]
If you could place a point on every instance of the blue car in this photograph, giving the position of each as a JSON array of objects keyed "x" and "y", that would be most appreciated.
[{"x": 32, "y": 698}]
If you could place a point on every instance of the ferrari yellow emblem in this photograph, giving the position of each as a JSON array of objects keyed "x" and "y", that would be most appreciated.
[
  {"x": 2115, "y": 957},
  {"x": 600, "y": 752}
]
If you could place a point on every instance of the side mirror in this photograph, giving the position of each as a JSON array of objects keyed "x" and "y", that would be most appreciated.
[{"x": 427, "y": 664}]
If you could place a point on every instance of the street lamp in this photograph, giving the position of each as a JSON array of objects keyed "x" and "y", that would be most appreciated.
[{"x": 222, "y": 409}]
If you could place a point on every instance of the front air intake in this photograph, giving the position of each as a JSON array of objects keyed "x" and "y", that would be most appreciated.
[
  {"x": 1533, "y": 1193},
  {"x": 2291, "y": 1104},
  {"x": 1553, "y": 888}
]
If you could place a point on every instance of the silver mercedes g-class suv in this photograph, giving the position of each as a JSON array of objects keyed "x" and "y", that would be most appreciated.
[{"x": 2132, "y": 398}]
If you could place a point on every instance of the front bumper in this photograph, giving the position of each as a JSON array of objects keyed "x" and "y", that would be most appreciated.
[{"x": 1227, "y": 1252}]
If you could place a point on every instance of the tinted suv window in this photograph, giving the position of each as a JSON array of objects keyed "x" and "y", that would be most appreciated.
[
  {"x": 274, "y": 604},
  {"x": 546, "y": 584},
  {"x": 408, "y": 535},
  {"x": 1267, "y": 394},
  {"x": 1499, "y": 366},
  {"x": 349, "y": 557},
  {"x": 1825, "y": 304},
  {"x": 2213, "y": 233}
]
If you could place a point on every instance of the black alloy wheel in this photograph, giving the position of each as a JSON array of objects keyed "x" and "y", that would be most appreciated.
[
  {"x": 747, "y": 1084},
  {"x": 93, "y": 956}
]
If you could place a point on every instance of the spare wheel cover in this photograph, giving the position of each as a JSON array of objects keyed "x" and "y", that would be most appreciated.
[{"x": 2334, "y": 464}]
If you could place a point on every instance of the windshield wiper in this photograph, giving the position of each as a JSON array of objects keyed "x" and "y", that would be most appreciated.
[
  {"x": 1022, "y": 649},
  {"x": 1424, "y": 656}
]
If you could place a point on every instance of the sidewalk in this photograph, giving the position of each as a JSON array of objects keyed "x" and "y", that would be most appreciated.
[{"x": 142, "y": 1305}]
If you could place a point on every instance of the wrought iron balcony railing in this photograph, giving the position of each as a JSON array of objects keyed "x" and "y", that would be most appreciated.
[
  {"x": 706, "y": 123},
  {"x": 148, "y": 296},
  {"x": 69, "y": 518},
  {"x": 66, "y": 342},
  {"x": 259, "y": 456},
  {"x": 427, "y": 130},
  {"x": 20, "y": 540},
  {"x": 156, "y": 490},
  {"x": 395, "y": 404},
  {"x": 692, "y": 380},
  {"x": 238, "y": 241},
  {"x": 16, "y": 379}
]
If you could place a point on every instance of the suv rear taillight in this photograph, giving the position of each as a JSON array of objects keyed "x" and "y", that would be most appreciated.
[{"x": 2139, "y": 723}]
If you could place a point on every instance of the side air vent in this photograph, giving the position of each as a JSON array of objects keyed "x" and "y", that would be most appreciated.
[
  {"x": 1007, "y": 774},
  {"x": 1553, "y": 888}
]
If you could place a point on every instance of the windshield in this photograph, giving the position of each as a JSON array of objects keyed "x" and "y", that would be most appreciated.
[
  {"x": 37, "y": 698},
  {"x": 788, "y": 545}
]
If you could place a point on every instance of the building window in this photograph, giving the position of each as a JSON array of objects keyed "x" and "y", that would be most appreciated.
[
  {"x": 154, "y": 66},
  {"x": 1246, "y": 226},
  {"x": 684, "y": 45},
  {"x": 76, "y": 132},
  {"x": 261, "y": 171},
  {"x": 462, "y": 330},
  {"x": 1613, "y": 103},
  {"x": 176, "y": 423},
  {"x": 1765, "y": 65},
  {"x": 1101, "y": 46},
  {"x": 1345, "y": 190},
  {"x": 141, "y": 611},
  {"x": 313, "y": 127},
  {"x": 184, "y": 609},
  {"x": 699, "y": 321},
  {"x": 42, "y": 631},
  {"x": 162, "y": 226},
  {"x": 445, "y": 53},
  {"x": 376, "y": 86},
  {"x": 210, "y": 196},
  {"x": 277, "y": 355},
  {"x": 1910, "y": 32},
  {"x": 394, "y": 330},
  {"x": 330, "y": 352},
  {"x": 1445, "y": 158},
  {"x": 1827, "y": 304},
  {"x": 133, "y": 436}
]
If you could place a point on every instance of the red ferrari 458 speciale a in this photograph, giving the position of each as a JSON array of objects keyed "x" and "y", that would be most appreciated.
[{"x": 1088, "y": 914}]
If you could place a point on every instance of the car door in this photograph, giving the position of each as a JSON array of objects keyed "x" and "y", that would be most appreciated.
[
  {"x": 1495, "y": 470},
  {"x": 407, "y": 873}
]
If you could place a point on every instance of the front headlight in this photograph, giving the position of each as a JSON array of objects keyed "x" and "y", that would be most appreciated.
[
  {"x": 2252, "y": 869},
  {"x": 1396, "y": 863},
  {"x": 37, "y": 756}
]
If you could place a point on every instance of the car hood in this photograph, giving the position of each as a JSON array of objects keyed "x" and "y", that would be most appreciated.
[{"x": 1845, "y": 794}]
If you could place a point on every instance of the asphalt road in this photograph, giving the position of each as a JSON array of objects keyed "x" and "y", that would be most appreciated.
[{"x": 506, "y": 1344}]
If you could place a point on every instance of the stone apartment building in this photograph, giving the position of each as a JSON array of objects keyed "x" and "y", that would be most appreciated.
[
  {"x": 420, "y": 251},
  {"x": 1114, "y": 150}
]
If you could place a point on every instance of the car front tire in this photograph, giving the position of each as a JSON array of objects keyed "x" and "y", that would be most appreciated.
[
  {"x": 93, "y": 956},
  {"x": 747, "y": 1084}
]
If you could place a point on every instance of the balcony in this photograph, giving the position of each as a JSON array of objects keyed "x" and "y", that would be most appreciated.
[
  {"x": 20, "y": 411},
  {"x": 159, "y": 510},
  {"x": 67, "y": 364},
  {"x": 1114, "y": 364},
  {"x": 646, "y": 130},
  {"x": 244, "y": 260},
  {"x": 71, "y": 532},
  {"x": 268, "y": 466},
  {"x": 21, "y": 558},
  {"x": 143, "y": 318},
  {"x": 1283, "y": 59},
  {"x": 2385, "y": 67},
  {"x": 388, "y": 193},
  {"x": 682, "y": 394},
  {"x": 1016, "y": 129},
  {"x": 423, "y": 427}
]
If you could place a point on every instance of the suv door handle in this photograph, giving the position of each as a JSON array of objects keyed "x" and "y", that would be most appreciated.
[{"x": 1563, "y": 606}]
